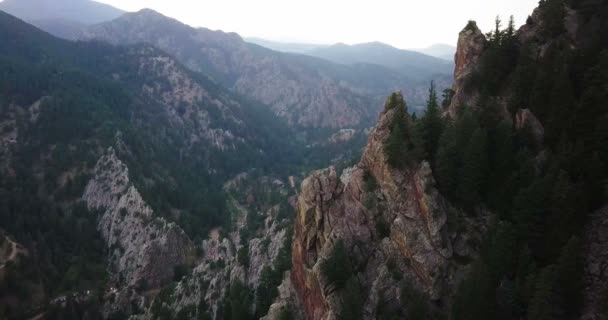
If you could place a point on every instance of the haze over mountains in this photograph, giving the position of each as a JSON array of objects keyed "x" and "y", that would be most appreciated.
[
  {"x": 150, "y": 170},
  {"x": 443, "y": 51},
  {"x": 410, "y": 63},
  {"x": 345, "y": 90}
]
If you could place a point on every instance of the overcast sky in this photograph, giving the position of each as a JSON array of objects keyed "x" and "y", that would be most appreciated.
[{"x": 401, "y": 23}]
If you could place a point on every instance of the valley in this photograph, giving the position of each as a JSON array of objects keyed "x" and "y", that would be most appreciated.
[{"x": 154, "y": 170}]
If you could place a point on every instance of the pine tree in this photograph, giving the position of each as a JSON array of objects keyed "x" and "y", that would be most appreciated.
[
  {"x": 569, "y": 271},
  {"x": 403, "y": 145},
  {"x": 352, "y": 306},
  {"x": 431, "y": 125},
  {"x": 448, "y": 161},
  {"x": 474, "y": 298},
  {"x": 546, "y": 303},
  {"x": 474, "y": 170},
  {"x": 336, "y": 268},
  {"x": 265, "y": 292}
]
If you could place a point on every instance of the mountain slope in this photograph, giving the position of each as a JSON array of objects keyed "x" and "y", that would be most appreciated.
[
  {"x": 413, "y": 64},
  {"x": 113, "y": 156},
  {"x": 497, "y": 210},
  {"x": 303, "y": 96},
  {"x": 76, "y": 11},
  {"x": 306, "y": 91}
]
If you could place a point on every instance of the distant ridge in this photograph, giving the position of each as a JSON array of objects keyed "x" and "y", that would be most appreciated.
[
  {"x": 412, "y": 63},
  {"x": 73, "y": 11}
]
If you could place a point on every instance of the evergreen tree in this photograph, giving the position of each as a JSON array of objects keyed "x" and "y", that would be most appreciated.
[
  {"x": 546, "y": 303},
  {"x": 403, "y": 145},
  {"x": 569, "y": 278},
  {"x": 239, "y": 302},
  {"x": 474, "y": 170},
  {"x": 448, "y": 161},
  {"x": 336, "y": 268},
  {"x": 352, "y": 306},
  {"x": 474, "y": 298},
  {"x": 431, "y": 125},
  {"x": 265, "y": 293},
  {"x": 506, "y": 301}
]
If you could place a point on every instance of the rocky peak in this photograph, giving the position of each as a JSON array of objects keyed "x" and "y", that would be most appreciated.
[
  {"x": 471, "y": 45},
  {"x": 390, "y": 220}
]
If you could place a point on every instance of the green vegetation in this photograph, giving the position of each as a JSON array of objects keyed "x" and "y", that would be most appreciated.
[
  {"x": 271, "y": 278},
  {"x": 530, "y": 266},
  {"x": 403, "y": 145},
  {"x": 243, "y": 256},
  {"x": 337, "y": 267},
  {"x": 431, "y": 125},
  {"x": 237, "y": 302}
]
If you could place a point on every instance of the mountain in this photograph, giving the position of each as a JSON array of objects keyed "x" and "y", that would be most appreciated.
[
  {"x": 291, "y": 47},
  {"x": 443, "y": 51},
  {"x": 112, "y": 156},
  {"x": 413, "y": 64},
  {"x": 77, "y": 11},
  {"x": 302, "y": 94},
  {"x": 133, "y": 186},
  {"x": 305, "y": 91}
]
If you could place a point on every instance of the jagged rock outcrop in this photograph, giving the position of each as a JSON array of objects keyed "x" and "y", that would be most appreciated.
[
  {"x": 596, "y": 266},
  {"x": 143, "y": 248},
  {"x": 471, "y": 45},
  {"x": 398, "y": 226},
  {"x": 203, "y": 291}
]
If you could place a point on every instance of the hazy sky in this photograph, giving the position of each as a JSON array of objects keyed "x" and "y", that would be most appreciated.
[{"x": 402, "y": 23}]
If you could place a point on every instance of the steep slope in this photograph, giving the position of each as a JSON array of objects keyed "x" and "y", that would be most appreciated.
[
  {"x": 391, "y": 228},
  {"x": 546, "y": 84},
  {"x": 117, "y": 154},
  {"x": 79, "y": 11},
  {"x": 414, "y": 64},
  {"x": 520, "y": 150}
]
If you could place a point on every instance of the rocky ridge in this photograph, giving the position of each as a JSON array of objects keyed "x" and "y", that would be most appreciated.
[
  {"x": 143, "y": 248},
  {"x": 471, "y": 45},
  {"x": 397, "y": 224}
]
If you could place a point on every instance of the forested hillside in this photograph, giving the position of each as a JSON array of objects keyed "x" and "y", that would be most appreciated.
[
  {"x": 518, "y": 153},
  {"x": 64, "y": 103}
]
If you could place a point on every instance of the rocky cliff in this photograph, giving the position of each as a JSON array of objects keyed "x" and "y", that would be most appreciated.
[
  {"x": 144, "y": 249},
  {"x": 393, "y": 224},
  {"x": 471, "y": 45}
]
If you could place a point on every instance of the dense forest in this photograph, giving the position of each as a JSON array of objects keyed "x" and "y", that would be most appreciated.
[{"x": 539, "y": 193}]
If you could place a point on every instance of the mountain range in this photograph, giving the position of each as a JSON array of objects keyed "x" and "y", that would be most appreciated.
[
  {"x": 443, "y": 51},
  {"x": 150, "y": 170},
  {"x": 413, "y": 64}
]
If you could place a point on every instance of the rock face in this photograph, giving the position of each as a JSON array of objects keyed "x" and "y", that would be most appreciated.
[
  {"x": 471, "y": 44},
  {"x": 596, "y": 266},
  {"x": 144, "y": 249},
  {"x": 397, "y": 226}
]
